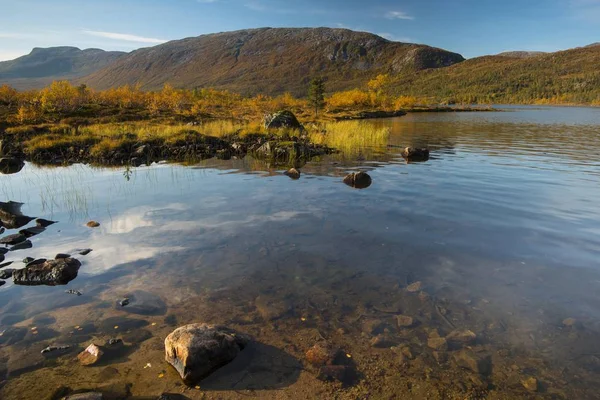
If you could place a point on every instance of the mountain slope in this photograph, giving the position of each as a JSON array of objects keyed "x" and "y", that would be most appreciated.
[
  {"x": 269, "y": 61},
  {"x": 42, "y": 66},
  {"x": 568, "y": 76}
]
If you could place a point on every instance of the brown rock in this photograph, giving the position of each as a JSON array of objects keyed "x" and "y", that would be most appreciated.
[
  {"x": 358, "y": 180},
  {"x": 373, "y": 326},
  {"x": 272, "y": 308},
  {"x": 440, "y": 356},
  {"x": 461, "y": 337},
  {"x": 437, "y": 343},
  {"x": 383, "y": 341},
  {"x": 92, "y": 224},
  {"x": 91, "y": 355},
  {"x": 404, "y": 321},
  {"x": 293, "y": 173},
  {"x": 569, "y": 322},
  {"x": 341, "y": 373},
  {"x": 48, "y": 272},
  {"x": 530, "y": 384},
  {"x": 197, "y": 350},
  {"x": 415, "y": 287},
  {"x": 481, "y": 364},
  {"x": 321, "y": 354}
]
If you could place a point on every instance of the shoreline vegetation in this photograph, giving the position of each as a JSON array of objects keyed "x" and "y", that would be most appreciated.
[{"x": 64, "y": 124}]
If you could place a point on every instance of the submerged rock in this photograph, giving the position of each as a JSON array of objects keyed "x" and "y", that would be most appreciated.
[
  {"x": 197, "y": 350},
  {"x": 415, "y": 154},
  {"x": 51, "y": 273},
  {"x": 461, "y": 337},
  {"x": 322, "y": 354},
  {"x": 142, "y": 302},
  {"x": 91, "y": 355},
  {"x": 405, "y": 321},
  {"x": 2, "y": 283},
  {"x": 272, "y": 308},
  {"x": 415, "y": 287},
  {"x": 84, "y": 252},
  {"x": 11, "y": 216},
  {"x": 282, "y": 119},
  {"x": 481, "y": 364},
  {"x": 358, "y": 180},
  {"x": 530, "y": 384},
  {"x": 13, "y": 239},
  {"x": 22, "y": 246},
  {"x": 10, "y": 165},
  {"x": 34, "y": 230},
  {"x": 293, "y": 173}
]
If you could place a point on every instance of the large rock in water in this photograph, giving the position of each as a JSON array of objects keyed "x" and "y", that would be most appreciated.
[
  {"x": 282, "y": 119},
  {"x": 358, "y": 180},
  {"x": 50, "y": 273},
  {"x": 197, "y": 350},
  {"x": 10, "y": 165}
]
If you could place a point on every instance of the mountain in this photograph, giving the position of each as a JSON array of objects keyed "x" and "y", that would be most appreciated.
[
  {"x": 569, "y": 76},
  {"x": 269, "y": 61},
  {"x": 42, "y": 66},
  {"x": 521, "y": 54}
]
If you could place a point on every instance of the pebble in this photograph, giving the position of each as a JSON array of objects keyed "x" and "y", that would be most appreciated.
[
  {"x": 530, "y": 384},
  {"x": 415, "y": 287},
  {"x": 461, "y": 337},
  {"x": 437, "y": 343},
  {"x": 123, "y": 302},
  {"x": 91, "y": 355},
  {"x": 92, "y": 224},
  {"x": 404, "y": 321}
]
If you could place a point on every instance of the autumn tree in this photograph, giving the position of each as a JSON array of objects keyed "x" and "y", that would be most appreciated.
[
  {"x": 61, "y": 97},
  {"x": 8, "y": 95},
  {"x": 316, "y": 94}
]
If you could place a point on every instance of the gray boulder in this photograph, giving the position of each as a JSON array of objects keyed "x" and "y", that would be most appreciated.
[{"x": 197, "y": 350}]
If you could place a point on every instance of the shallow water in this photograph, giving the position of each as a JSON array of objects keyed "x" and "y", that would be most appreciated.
[{"x": 501, "y": 226}]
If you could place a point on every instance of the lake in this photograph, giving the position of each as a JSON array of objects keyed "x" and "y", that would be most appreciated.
[{"x": 497, "y": 234}]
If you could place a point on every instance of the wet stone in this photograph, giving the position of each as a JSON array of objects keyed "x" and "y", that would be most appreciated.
[
  {"x": 321, "y": 354},
  {"x": 44, "y": 223},
  {"x": 197, "y": 350},
  {"x": 415, "y": 287},
  {"x": 480, "y": 364},
  {"x": 22, "y": 246},
  {"x": 50, "y": 273},
  {"x": 7, "y": 273},
  {"x": 84, "y": 252},
  {"x": 405, "y": 321},
  {"x": 2, "y": 283},
  {"x": 142, "y": 303},
  {"x": 437, "y": 343},
  {"x": 27, "y": 260},
  {"x": 35, "y": 262},
  {"x": 62, "y": 255},
  {"x": 530, "y": 384},
  {"x": 91, "y": 355},
  {"x": 271, "y": 308},
  {"x": 461, "y": 337},
  {"x": 33, "y": 231},
  {"x": 358, "y": 180},
  {"x": 293, "y": 173},
  {"x": 92, "y": 224},
  {"x": 122, "y": 324},
  {"x": 13, "y": 239}
]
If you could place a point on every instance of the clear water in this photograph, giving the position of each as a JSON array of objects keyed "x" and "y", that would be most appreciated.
[{"x": 501, "y": 226}]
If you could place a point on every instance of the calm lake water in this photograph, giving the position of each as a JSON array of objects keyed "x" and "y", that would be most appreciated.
[{"x": 501, "y": 226}]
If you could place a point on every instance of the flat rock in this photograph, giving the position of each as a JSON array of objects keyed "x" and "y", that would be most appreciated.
[
  {"x": 530, "y": 384},
  {"x": 272, "y": 308},
  {"x": 569, "y": 322},
  {"x": 44, "y": 223},
  {"x": 461, "y": 337},
  {"x": 93, "y": 224},
  {"x": 415, "y": 287},
  {"x": 322, "y": 354},
  {"x": 50, "y": 273},
  {"x": 405, "y": 321},
  {"x": 13, "y": 239},
  {"x": 91, "y": 355},
  {"x": 29, "y": 232},
  {"x": 7, "y": 273},
  {"x": 143, "y": 303},
  {"x": 480, "y": 364},
  {"x": 437, "y": 343},
  {"x": 62, "y": 255},
  {"x": 197, "y": 350},
  {"x": 22, "y": 246}
]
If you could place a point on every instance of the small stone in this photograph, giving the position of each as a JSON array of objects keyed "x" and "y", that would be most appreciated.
[
  {"x": 123, "y": 302},
  {"x": 404, "y": 321},
  {"x": 462, "y": 337},
  {"x": 13, "y": 239},
  {"x": 85, "y": 252},
  {"x": 438, "y": 344},
  {"x": 530, "y": 384},
  {"x": 415, "y": 287},
  {"x": 92, "y": 224},
  {"x": 44, "y": 223},
  {"x": 358, "y": 180},
  {"x": 50, "y": 273},
  {"x": 62, "y": 255},
  {"x": 7, "y": 273},
  {"x": 22, "y": 246},
  {"x": 474, "y": 362},
  {"x": 293, "y": 173},
  {"x": 91, "y": 355},
  {"x": 2, "y": 283},
  {"x": 321, "y": 354},
  {"x": 569, "y": 322}
]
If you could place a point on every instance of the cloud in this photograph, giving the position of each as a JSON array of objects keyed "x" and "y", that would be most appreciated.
[
  {"x": 11, "y": 55},
  {"x": 124, "y": 37},
  {"x": 398, "y": 15},
  {"x": 394, "y": 38}
]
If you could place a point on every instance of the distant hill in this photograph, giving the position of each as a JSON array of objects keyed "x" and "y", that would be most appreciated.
[
  {"x": 42, "y": 66},
  {"x": 521, "y": 54},
  {"x": 270, "y": 61},
  {"x": 570, "y": 75}
]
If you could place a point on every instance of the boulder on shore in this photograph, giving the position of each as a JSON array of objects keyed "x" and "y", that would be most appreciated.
[
  {"x": 10, "y": 165},
  {"x": 50, "y": 273},
  {"x": 358, "y": 180},
  {"x": 197, "y": 350},
  {"x": 282, "y": 119}
]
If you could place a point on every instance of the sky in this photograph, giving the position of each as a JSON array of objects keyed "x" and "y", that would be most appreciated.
[{"x": 469, "y": 27}]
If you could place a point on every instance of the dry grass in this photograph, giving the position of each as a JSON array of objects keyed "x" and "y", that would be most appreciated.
[{"x": 351, "y": 137}]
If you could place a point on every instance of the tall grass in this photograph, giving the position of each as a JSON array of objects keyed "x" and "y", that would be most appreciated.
[{"x": 351, "y": 137}]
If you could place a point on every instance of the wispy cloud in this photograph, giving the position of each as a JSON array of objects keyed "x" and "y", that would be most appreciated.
[
  {"x": 398, "y": 15},
  {"x": 124, "y": 37},
  {"x": 11, "y": 55},
  {"x": 394, "y": 38}
]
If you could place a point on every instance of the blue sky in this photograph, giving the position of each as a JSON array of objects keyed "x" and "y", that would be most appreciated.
[{"x": 470, "y": 27}]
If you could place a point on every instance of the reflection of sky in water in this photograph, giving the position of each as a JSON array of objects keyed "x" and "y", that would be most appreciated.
[{"x": 464, "y": 200}]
